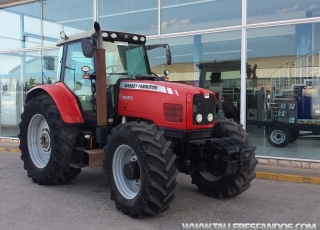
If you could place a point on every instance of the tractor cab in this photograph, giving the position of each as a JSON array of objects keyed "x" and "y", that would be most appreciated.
[{"x": 125, "y": 58}]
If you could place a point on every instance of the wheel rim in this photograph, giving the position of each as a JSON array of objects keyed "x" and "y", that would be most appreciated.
[
  {"x": 277, "y": 136},
  {"x": 128, "y": 188},
  {"x": 209, "y": 176},
  {"x": 39, "y": 144}
]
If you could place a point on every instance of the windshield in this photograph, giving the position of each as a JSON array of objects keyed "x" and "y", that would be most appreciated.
[{"x": 124, "y": 60}]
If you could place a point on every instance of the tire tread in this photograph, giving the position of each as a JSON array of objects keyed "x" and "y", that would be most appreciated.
[
  {"x": 229, "y": 185},
  {"x": 156, "y": 160},
  {"x": 63, "y": 138}
]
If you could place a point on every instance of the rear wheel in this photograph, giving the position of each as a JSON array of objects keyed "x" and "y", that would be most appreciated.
[
  {"x": 46, "y": 142},
  {"x": 228, "y": 185},
  {"x": 278, "y": 136},
  {"x": 140, "y": 169}
]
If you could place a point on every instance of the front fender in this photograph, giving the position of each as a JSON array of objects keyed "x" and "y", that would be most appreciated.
[{"x": 64, "y": 99}]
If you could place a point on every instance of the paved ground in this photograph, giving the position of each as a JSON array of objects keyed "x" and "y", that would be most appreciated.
[{"x": 85, "y": 203}]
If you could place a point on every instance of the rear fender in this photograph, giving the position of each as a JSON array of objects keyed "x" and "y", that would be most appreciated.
[{"x": 64, "y": 99}]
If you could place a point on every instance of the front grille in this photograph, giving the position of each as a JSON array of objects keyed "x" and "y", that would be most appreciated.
[{"x": 203, "y": 106}]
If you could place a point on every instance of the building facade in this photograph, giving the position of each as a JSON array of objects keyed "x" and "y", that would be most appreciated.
[{"x": 262, "y": 57}]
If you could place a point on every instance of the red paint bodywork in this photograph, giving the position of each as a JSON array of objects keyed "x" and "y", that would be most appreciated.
[
  {"x": 64, "y": 99},
  {"x": 139, "y": 103},
  {"x": 148, "y": 104}
]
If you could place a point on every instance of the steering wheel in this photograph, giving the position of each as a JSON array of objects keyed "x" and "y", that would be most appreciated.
[{"x": 112, "y": 68}]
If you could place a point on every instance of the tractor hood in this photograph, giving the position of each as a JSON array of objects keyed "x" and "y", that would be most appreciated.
[{"x": 167, "y": 104}]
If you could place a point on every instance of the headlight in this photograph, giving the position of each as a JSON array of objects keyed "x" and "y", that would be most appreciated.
[
  {"x": 210, "y": 117},
  {"x": 199, "y": 118}
]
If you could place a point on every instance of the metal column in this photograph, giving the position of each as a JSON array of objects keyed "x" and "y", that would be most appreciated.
[{"x": 243, "y": 65}]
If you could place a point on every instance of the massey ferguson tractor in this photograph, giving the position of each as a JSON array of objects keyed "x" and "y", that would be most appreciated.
[{"x": 108, "y": 109}]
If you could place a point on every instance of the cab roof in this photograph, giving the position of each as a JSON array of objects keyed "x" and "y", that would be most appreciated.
[
  {"x": 121, "y": 36},
  {"x": 76, "y": 37}
]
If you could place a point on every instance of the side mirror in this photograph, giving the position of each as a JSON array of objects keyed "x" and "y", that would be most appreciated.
[
  {"x": 168, "y": 56},
  {"x": 87, "y": 48}
]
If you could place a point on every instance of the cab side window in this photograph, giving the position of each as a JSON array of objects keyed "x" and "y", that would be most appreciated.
[{"x": 75, "y": 60}]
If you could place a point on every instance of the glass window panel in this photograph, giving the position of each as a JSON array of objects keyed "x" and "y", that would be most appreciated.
[
  {"x": 219, "y": 70},
  {"x": 29, "y": 25},
  {"x": 72, "y": 16},
  {"x": 210, "y": 60},
  {"x": 106, "y": 7},
  {"x": 25, "y": 21},
  {"x": 283, "y": 87},
  {"x": 60, "y": 10},
  {"x": 12, "y": 38},
  {"x": 221, "y": 46},
  {"x": 129, "y": 16},
  {"x": 178, "y": 16},
  {"x": 28, "y": 9},
  {"x": 52, "y": 30},
  {"x": 181, "y": 56},
  {"x": 275, "y": 10},
  {"x": 19, "y": 72},
  {"x": 11, "y": 95},
  {"x": 49, "y": 64},
  {"x": 77, "y": 26}
]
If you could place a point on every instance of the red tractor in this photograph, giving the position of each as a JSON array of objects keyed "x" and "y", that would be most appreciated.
[{"x": 108, "y": 108}]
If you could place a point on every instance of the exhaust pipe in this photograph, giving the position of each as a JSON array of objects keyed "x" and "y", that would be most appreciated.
[{"x": 100, "y": 68}]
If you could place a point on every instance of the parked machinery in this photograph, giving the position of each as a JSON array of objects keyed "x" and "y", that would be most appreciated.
[{"x": 286, "y": 115}]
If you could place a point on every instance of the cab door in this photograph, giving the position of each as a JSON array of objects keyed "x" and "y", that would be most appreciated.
[{"x": 72, "y": 76}]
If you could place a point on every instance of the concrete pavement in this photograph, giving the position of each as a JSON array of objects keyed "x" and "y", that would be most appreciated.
[{"x": 85, "y": 204}]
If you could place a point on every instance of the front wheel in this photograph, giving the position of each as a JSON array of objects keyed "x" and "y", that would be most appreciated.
[
  {"x": 227, "y": 185},
  {"x": 46, "y": 142},
  {"x": 140, "y": 169}
]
